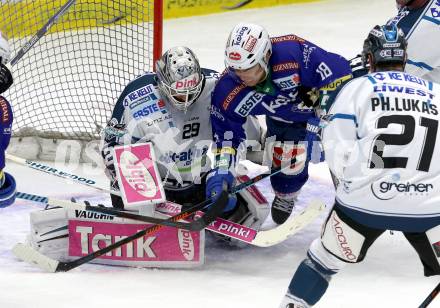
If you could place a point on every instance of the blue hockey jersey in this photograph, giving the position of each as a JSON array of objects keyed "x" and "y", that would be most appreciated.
[{"x": 294, "y": 64}]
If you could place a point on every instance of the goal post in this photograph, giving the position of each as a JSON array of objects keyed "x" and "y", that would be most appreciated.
[{"x": 65, "y": 87}]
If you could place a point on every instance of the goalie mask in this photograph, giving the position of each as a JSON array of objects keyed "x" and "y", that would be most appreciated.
[
  {"x": 386, "y": 44},
  {"x": 180, "y": 78},
  {"x": 248, "y": 45}
]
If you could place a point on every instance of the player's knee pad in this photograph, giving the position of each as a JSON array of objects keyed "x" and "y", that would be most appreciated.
[
  {"x": 342, "y": 240},
  {"x": 318, "y": 254}
]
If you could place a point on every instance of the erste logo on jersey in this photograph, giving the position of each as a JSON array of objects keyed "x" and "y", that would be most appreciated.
[
  {"x": 288, "y": 82},
  {"x": 249, "y": 102},
  {"x": 146, "y": 110}
]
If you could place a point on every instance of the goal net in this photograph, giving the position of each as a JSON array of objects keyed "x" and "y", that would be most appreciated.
[{"x": 65, "y": 87}]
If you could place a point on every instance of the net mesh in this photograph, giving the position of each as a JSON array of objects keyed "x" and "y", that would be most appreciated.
[{"x": 67, "y": 84}]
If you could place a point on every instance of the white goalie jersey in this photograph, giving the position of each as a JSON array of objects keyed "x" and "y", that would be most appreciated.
[
  {"x": 382, "y": 142},
  {"x": 181, "y": 139}
]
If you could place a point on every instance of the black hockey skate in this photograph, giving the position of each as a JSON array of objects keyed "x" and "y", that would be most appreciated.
[{"x": 281, "y": 209}]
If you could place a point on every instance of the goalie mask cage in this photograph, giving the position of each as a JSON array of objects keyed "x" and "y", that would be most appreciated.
[{"x": 65, "y": 87}]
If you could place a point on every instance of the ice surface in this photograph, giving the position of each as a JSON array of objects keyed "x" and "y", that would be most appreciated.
[{"x": 391, "y": 275}]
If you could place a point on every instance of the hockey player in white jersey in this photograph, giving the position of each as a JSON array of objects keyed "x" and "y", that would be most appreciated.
[
  {"x": 171, "y": 108},
  {"x": 420, "y": 20},
  {"x": 381, "y": 142}
]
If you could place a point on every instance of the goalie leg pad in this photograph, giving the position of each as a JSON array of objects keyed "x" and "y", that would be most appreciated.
[
  {"x": 427, "y": 246},
  {"x": 346, "y": 239},
  {"x": 67, "y": 235},
  {"x": 49, "y": 233},
  {"x": 255, "y": 204}
]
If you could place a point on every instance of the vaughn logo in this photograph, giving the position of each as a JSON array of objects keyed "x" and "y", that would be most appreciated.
[{"x": 389, "y": 189}]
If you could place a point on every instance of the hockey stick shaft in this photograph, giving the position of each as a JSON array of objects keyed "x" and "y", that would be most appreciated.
[
  {"x": 430, "y": 297},
  {"x": 42, "y": 31}
]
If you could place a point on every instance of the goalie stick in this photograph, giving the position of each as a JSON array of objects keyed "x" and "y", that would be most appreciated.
[
  {"x": 430, "y": 297},
  {"x": 40, "y": 33},
  {"x": 193, "y": 226},
  {"x": 261, "y": 238},
  {"x": 30, "y": 255}
]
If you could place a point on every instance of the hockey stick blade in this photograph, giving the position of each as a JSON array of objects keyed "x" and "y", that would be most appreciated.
[
  {"x": 290, "y": 227},
  {"x": 28, "y": 254}
]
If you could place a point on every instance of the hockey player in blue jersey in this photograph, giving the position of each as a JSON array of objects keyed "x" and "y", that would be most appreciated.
[
  {"x": 420, "y": 20},
  {"x": 381, "y": 143},
  {"x": 282, "y": 78},
  {"x": 171, "y": 108},
  {"x": 7, "y": 182}
]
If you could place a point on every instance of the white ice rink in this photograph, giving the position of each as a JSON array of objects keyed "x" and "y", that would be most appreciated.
[{"x": 391, "y": 275}]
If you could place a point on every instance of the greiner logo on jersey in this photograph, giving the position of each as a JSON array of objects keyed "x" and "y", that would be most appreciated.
[
  {"x": 248, "y": 103},
  {"x": 389, "y": 189},
  {"x": 288, "y": 82}
]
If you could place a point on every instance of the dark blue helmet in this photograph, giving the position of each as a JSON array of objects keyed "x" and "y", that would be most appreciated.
[{"x": 386, "y": 44}]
